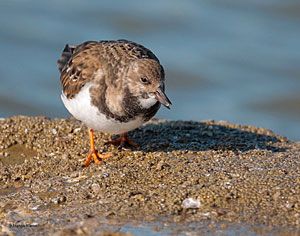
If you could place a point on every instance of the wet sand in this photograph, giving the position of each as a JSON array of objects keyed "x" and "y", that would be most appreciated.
[{"x": 188, "y": 176}]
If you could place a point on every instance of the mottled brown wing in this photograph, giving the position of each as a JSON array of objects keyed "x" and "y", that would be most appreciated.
[{"x": 78, "y": 65}]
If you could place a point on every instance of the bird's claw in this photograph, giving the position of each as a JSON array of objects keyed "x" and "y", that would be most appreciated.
[{"x": 96, "y": 157}]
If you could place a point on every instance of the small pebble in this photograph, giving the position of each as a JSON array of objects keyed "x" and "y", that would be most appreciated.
[
  {"x": 96, "y": 188},
  {"x": 76, "y": 130},
  {"x": 191, "y": 203},
  {"x": 59, "y": 199},
  {"x": 54, "y": 131}
]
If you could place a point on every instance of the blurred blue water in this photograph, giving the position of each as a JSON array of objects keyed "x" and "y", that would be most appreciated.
[{"x": 225, "y": 60}]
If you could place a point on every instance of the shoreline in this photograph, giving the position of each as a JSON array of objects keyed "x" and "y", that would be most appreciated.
[{"x": 184, "y": 172}]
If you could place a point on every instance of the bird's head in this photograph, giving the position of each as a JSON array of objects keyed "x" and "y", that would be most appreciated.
[{"x": 146, "y": 80}]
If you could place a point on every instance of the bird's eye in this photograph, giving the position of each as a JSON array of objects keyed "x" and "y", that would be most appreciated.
[{"x": 145, "y": 80}]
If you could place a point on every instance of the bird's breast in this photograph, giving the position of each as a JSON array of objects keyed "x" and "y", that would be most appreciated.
[{"x": 82, "y": 108}]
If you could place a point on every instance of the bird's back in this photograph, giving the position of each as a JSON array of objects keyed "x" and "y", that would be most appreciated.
[
  {"x": 112, "y": 50},
  {"x": 79, "y": 63}
]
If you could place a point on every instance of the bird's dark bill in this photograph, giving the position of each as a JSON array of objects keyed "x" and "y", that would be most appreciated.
[{"x": 162, "y": 98}]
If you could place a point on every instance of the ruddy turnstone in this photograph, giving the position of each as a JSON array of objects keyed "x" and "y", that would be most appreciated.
[{"x": 111, "y": 86}]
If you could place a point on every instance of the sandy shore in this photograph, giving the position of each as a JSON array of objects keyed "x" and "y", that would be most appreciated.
[{"x": 185, "y": 173}]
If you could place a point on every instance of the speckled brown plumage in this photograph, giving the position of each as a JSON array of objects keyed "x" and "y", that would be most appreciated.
[{"x": 79, "y": 65}]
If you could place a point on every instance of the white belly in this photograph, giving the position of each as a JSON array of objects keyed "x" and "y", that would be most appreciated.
[{"x": 82, "y": 109}]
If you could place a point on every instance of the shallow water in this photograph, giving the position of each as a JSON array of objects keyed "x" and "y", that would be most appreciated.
[
  {"x": 198, "y": 228},
  {"x": 224, "y": 60}
]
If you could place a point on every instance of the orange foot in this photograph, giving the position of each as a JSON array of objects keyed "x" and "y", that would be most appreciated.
[
  {"x": 93, "y": 154},
  {"x": 123, "y": 141}
]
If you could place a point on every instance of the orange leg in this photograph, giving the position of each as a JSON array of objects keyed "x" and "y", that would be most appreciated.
[
  {"x": 93, "y": 154},
  {"x": 123, "y": 141}
]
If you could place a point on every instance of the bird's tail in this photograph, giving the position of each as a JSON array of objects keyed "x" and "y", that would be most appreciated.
[{"x": 65, "y": 56}]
